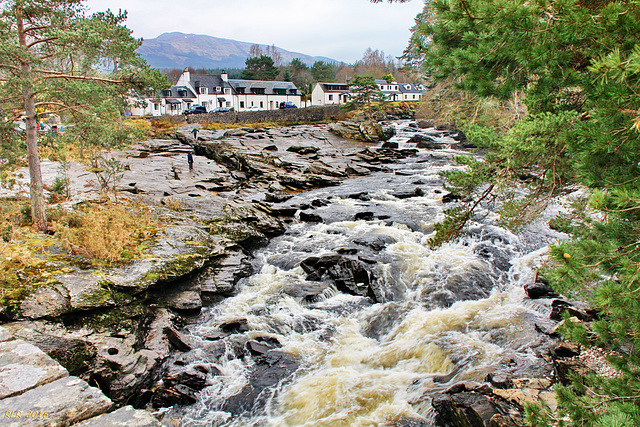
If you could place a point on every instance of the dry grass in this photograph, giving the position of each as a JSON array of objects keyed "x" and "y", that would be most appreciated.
[
  {"x": 106, "y": 232},
  {"x": 94, "y": 233}
]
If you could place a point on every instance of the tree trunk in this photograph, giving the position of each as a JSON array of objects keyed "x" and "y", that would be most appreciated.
[{"x": 38, "y": 211}]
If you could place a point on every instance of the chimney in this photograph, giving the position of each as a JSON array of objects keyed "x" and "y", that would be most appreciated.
[
  {"x": 185, "y": 78},
  {"x": 224, "y": 76}
]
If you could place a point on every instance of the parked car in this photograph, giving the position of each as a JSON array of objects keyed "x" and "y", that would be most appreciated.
[
  {"x": 198, "y": 109},
  {"x": 287, "y": 104},
  {"x": 220, "y": 110},
  {"x": 252, "y": 108}
]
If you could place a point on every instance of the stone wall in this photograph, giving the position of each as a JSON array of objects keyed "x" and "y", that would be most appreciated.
[{"x": 290, "y": 115}]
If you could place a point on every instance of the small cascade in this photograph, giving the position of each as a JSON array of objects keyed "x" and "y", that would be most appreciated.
[{"x": 355, "y": 321}]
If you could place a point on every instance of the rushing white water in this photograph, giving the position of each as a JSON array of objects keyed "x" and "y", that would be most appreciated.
[{"x": 449, "y": 314}]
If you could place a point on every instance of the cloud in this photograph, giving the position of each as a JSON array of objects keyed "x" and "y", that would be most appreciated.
[{"x": 339, "y": 29}]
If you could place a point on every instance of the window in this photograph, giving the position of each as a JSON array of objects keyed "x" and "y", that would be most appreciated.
[
  {"x": 240, "y": 90},
  {"x": 156, "y": 106},
  {"x": 280, "y": 91},
  {"x": 166, "y": 92},
  {"x": 414, "y": 97},
  {"x": 293, "y": 91},
  {"x": 227, "y": 91},
  {"x": 241, "y": 104},
  {"x": 330, "y": 97},
  {"x": 218, "y": 89},
  {"x": 182, "y": 93},
  {"x": 203, "y": 90},
  {"x": 257, "y": 90},
  {"x": 261, "y": 104}
]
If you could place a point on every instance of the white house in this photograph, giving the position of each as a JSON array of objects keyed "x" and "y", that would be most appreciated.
[
  {"x": 411, "y": 92},
  {"x": 218, "y": 91},
  {"x": 330, "y": 94},
  {"x": 390, "y": 90}
]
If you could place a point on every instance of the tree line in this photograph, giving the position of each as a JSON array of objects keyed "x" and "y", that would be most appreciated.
[{"x": 266, "y": 64}]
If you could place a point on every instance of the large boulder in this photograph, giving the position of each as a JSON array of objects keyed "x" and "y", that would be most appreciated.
[
  {"x": 362, "y": 131},
  {"x": 350, "y": 275}
]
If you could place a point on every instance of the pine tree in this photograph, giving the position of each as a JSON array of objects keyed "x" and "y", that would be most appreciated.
[
  {"x": 577, "y": 65},
  {"x": 52, "y": 62}
]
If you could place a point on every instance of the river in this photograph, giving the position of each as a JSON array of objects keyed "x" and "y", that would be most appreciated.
[{"x": 440, "y": 316}]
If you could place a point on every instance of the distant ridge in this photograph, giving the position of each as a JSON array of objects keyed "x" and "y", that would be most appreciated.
[{"x": 179, "y": 50}]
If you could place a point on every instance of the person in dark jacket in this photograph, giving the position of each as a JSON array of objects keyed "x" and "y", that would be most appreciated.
[{"x": 190, "y": 160}]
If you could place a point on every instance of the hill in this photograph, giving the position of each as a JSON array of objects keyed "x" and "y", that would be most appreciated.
[{"x": 178, "y": 50}]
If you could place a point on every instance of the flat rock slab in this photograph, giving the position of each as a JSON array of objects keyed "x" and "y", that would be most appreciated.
[
  {"x": 125, "y": 417},
  {"x": 24, "y": 366},
  {"x": 4, "y": 334},
  {"x": 63, "y": 402}
]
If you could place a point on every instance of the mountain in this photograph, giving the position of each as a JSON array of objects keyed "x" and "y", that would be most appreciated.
[{"x": 179, "y": 50}]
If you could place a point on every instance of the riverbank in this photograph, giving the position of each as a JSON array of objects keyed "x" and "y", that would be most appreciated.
[{"x": 120, "y": 329}]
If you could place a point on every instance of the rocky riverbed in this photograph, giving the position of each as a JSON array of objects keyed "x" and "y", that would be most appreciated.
[{"x": 120, "y": 329}]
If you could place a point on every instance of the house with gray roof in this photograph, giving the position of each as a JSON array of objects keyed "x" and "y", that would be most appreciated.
[
  {"x": 219, "y": 92},
  {"x": 330, "y": 94}
]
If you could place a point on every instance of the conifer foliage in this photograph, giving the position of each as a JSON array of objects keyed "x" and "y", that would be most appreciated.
[
  {"x": 55, "y": 60},
  {"x": 577, "y": 65}
]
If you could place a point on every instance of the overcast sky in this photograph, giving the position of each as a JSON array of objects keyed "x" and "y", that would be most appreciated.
[{"x": 338, "y": 29}]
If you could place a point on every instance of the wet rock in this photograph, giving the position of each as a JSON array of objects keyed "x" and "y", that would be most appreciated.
[
  {"x": 559, "y": 306},
  {"x": 188, "y": 376},
  {"x": 349, "y": 275},
  {"x": 235, "y": 326},
  {"x": 308, "y": 292},
  {"x": 566, "y": 349},
  {"x": 365, "y": 197},
  {"x": 178, "y": 340},
  {"x": 469, "y": 405},
  {"x": 539, "y": 290},
  {"x": 309, "y": 217},
  {"x": 390, "y": 144},
  {"x": 500, "y": 258},
  {"x": 270, "y": 369},
  {"x": 407, "y": 194},
  {"x": 366, "y": 216},
  {"x": 450, "y": 197}
]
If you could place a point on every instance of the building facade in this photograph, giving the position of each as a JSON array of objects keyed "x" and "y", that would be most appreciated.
[{"x": 217, "y": 92}]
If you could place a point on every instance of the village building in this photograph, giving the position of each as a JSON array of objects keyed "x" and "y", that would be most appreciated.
[
  {"x": 330, "y": 94},
  {"x": 339, "y": 93},
  {"x": 217, "y": 93}
]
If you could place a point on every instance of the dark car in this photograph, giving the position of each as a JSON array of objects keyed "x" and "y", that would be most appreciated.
[
  {"x": 221, "y": 110},
  {"x": 198, "y": 109},
  {"x": 287, "y": 104}
]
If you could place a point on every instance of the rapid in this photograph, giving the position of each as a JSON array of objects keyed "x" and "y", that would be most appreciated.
[{"x": 428, "y": 319}]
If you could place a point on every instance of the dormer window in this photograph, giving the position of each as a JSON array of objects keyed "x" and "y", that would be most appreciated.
[
  {"x": 166, "y": 92},
  {"x": 218, "y": 89},
  {"x": 182, "y": 93},
  {"x": 240, "y": 90},
  {"x": 203, "y": 91},
  {"x": 257, "y": 90},
  {"x": 280, "y": 91}
]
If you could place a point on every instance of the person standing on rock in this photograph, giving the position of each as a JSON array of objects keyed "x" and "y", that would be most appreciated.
[
  {"x": 195, "y": 133},
  {"x": 190, "y": 160}
]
